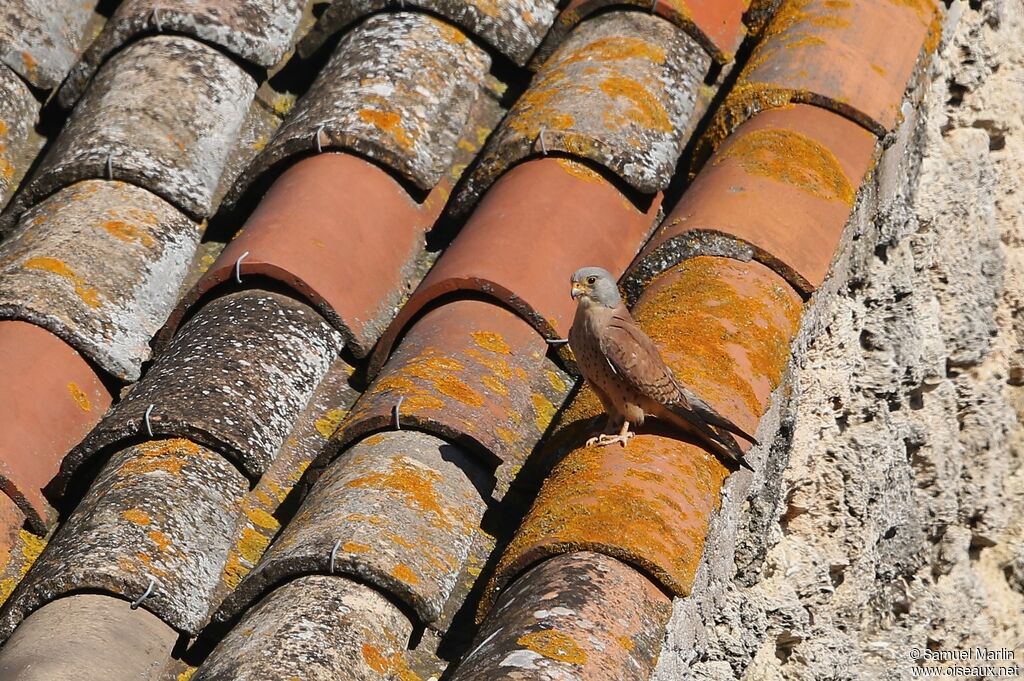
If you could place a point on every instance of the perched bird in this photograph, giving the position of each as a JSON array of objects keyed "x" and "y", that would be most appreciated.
[{"x": 625, "y": 369}]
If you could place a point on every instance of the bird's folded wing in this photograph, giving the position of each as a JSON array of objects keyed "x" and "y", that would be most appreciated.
[{"x": 636, "y": 361}]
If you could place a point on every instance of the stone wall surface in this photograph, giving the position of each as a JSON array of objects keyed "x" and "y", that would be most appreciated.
[{"x": 888, "y": 514}]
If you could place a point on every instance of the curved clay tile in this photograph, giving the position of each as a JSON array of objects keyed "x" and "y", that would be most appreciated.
[
  {"x": 513, "y": 27},
  {"x": 258, "y": 31}
]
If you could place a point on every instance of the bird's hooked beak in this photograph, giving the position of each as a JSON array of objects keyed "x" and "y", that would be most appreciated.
[{"x": 577, "y": 290}]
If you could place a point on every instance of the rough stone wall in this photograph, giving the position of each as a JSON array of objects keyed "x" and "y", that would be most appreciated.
[{"x": 889, "y": 513}]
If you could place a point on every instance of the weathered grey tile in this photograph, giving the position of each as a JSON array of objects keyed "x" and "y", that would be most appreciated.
[
  {"x": 41, "y": 39},
  {"x": 316, "y": 628},
  {"x": 88, "y": 636},
  {"x": 513, "y": 27},
  {"x": 234, "y": 379},
  {"x": 399, "y": 89},
  {"x": 99, "y": 264},
  {"x": 258, "y": 31},
  {"x": 164, "y": 114},
  {"x": 18, "y": 113},
  {"x": 160, "y": 513},
  {"x": 398, "y": 510},
  {"x": 620, "y": 91}
]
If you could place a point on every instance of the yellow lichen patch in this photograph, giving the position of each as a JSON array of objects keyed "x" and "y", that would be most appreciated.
[
  {"x": 417, "y": 403},
  {"x": 162, "y": 455},
  {"x": 375, "y": 659},
  {"x": 554, "y": 645},
  {"x": 355, "y": 547},
  {"x": 646, "y": 110},
  {"x": 162, "y": 541},
  {"x": 507, "y": 436},
  {"x": 187, "y": 674},
  {"x": 79, "y": 396},
  {"x": 626, "y": 642},
  {"x": 580, "y": 171},
  {"x": 390, "y": 122},
  {"x": 545, "y": 411},
  {"x": 413, "y": 484},
  {"x": 493, "y": 342},
  {"x": 555, "y": 381},
  {"x": 616, "y": 48},
  {"x": 794, "y": 159},
  {"x": 328, "y": 423},
  {"x": 283, "y": 104},
  {"x": 89, "y": 295},
  {"x": 127, "y": 232},
  {"x": 494, "y": 385},
  {"x": 137, "y": 516},
  {"x": 261, "y": 518},
  {"x": 400, "y": 540},
  {"x": 405, "y": 573}
]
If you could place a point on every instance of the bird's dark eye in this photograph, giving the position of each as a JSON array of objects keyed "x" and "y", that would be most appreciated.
[{"x": 591, "y": 280}]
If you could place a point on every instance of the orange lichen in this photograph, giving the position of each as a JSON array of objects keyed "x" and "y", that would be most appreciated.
[
  {"x": 405, "y": 573},
  {"x": 375, "y": 659},
  {"x": 390, "y": 122},
  {"x": 162, "y": 541},
  {"x": 554, "y": 645},
  {"x": 626, "y": 642},
  {"x": 89, "y": 295},
  {"x": 127, "y": 232},
  {"x": 328, "y": 423},
  {"x": 412, "y": 483},
  {"x": 495, "y": 385},
  {"x": 580, "y": 171},
  {"x": 615, "y": 48},
  {"x": 507, "y": 436},
  {"x": 702, "y": 318},
  {"x": 555, "y": 381},
  {"x": 544, "y": 410},
  {"x": 79, "y": 396},
  {"x": 646, "y": 110},
  {"x": 794, "y": 159},
  {"x": 355, "y": 547},
  {"x": 168, "y": 456},
  {"x": 137, "y": 516},
  {"x": 492, "y": 342}
]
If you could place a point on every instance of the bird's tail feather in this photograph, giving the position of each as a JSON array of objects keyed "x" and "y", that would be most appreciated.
[
  {"x": 722, "y": 444},
  {"x": 712, "y": 417}
]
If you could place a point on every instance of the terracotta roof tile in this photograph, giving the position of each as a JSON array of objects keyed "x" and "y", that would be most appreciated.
[
  {"x": 778, "y": 190},
  {"x": 41, "y": 39},
  {"x": 259, "y": 31},
  {"x": 86, "y": 634},
  {"x": 311, "y": 628},
  {"x": 581, "y": 616},
  {"x": 716, "y": 24},
  {"x": 160, "y": 511},
  {"x": 467, "y": 371},
  {"x": 338, "y": 230},
  {"x": 513, "y": 27},
  {"x": 52, "y": 398},
  {"x": 551, "y": 202},
  {"x": 234, "y": 379},
  {"x": 621, "y": 91},
  {"x": 98, "y": 264},
  {"x": 855, "y": 58},
  {"x": 398, "y": 89},
  {"x": 163, "y": 114},
  {"x": 397, "y": 511}
]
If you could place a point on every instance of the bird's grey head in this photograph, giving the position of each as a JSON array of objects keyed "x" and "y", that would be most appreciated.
[{"x": 595, "y": 285}]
